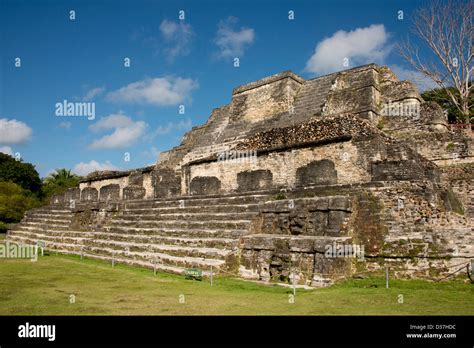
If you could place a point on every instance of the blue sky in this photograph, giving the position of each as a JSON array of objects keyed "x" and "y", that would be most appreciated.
[{"x": 173, "y": 62}]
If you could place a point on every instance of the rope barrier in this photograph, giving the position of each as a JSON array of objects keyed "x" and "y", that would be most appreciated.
[
  {"x": 298, "y": 270},
  {"x": 449, "y": 275}
]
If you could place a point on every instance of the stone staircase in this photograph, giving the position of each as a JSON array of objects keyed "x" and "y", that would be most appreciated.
[
  {"x": 312, "y": 96},
  {"x": 170, "y": 235}
]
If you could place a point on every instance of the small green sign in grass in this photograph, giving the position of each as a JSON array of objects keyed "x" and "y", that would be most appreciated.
[
  {"x": 193, "y": 273},
  {"x": 42, "y": 244}
]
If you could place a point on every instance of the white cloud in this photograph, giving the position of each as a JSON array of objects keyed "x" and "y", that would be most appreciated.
[
  {"x": 120, "y": 138},
  {"x": 181, "y": 125},
  {"x": 14, "y": 132},
  {"x": 84, "y": 168},
  {"x": 162, "y": 91},
  {"x": 178, "y": 37},
  {"x": 126, "y": 132},
  {"x": 65, "y": 125},
  {"x": 92, "y": 93},
  {"x": 424, "y": 83},
  {"x": 233, "y": 43},
  {"x": 111, "y": 121},
  {"x": 360, "y": 46},
  {"x": 6, "y": 150}
]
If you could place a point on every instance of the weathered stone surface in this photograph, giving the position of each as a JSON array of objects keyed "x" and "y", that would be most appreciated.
[
  {"x": 135, "y": 178},
  {"x": 340, "y": 203},
  {"x": 318, "y": 203},
  {"x": 320, "y": 222},
  {"x": 316, "y": 173},
  {"x": 72, "y": 194},
  {"x": 167, "y": 183},
  {"x": 89, "y": 194},
  {"x": 208, "y": 185},
  {"x": 261, "y": 99},
  {"x": 317, "y": 130},
  {"x": 133, "y": 192},
  {"x": 57, "y": 199},
  {"x": 109, "y": 192},
  {"x": 254, "y": 180},
  {"x": 336, "y": 220}
]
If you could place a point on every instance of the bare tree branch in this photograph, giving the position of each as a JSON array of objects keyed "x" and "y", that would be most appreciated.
[{"x": 446, "y": 28}]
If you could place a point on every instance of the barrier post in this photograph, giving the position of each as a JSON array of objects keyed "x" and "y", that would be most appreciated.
[{"x": 294, "y": 283}]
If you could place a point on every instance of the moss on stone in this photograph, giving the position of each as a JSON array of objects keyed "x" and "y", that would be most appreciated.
[
  {"x": 368, "y": 226},
  {"x": 381, "y": 124},
  {"x": 279, "y": 196}
]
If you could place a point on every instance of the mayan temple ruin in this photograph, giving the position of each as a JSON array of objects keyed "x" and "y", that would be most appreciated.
[{"x": 288, "y": 178}]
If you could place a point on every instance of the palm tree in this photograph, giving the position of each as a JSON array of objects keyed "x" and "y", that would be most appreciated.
[
  {"x": 58, "y": 182},
  {"x": 62, "y": 177}
]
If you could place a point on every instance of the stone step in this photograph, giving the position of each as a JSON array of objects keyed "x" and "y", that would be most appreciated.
[
  {"x": 50, "y": 245},
  {"x": 142, "y": 232},
  {"x": 44, "y": 225},
  {"x": 172, "y": 250},
  {"x": 159, "y": 258},
  {"x": 174, "y": 232},
  {"x": 195, "y": 201},
  {"x": 230, "y": 209},
  {"x": 53, "y": 232},
  {"x": 141, "y": 263},
  {"x": 151, "y": 257},
  {"x": 184, "y": 216},
  {"x": 117, "y": 258},
  {"x": 223, "y": 224},
  {"x": 40, "y": 219},
  {"x": 73, "y": 237},
  {"x": 48, "y": 238},
  {"x": 51, "y": 215},
  {"x": 222, "y": 243},
  {"x": 49, "y": 209}
]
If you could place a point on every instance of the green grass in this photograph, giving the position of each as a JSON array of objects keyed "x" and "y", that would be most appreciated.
[{"x": 44, "y": 288}]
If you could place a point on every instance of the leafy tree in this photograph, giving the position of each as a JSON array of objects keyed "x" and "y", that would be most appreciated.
[
  {"x": 440, "y": 96},
  {"x": 14, "y": 201},
  {"x": 59, "y": 181},
  {"x": 23, "y": 174},
  {"x": 61, "y": 177}
]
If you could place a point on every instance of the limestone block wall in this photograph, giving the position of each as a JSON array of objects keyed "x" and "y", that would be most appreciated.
[
  {"x": 349, "y": 100},
  {"x": 113, "y": 186},
  {"x": 355, "y": 91},
  {"x": 291, "y": 236},
  {"x": 328, "y": 164},
  {"x": 423, "y": 230},
  {"x": 336, "y": 150},
  {"x": 464, "y": 189},
  {"x": 416, "y": 228},
  {"x": 264, "y": 98},
  {"x": 443, "y": 148},
  {"x": 460, "y": 177},
  {"x": 371, "y": 91},
  {"x": 88, "y": 188}
]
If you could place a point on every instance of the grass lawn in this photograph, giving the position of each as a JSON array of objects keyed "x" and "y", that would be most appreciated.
[{"x": 45, "y": 288}]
